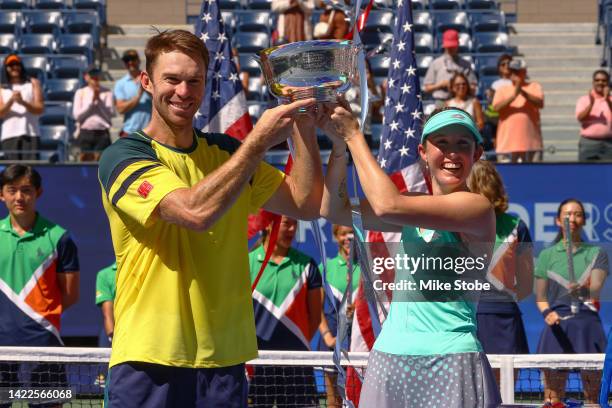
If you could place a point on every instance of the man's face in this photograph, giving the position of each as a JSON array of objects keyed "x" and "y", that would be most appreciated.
[
  {"x": 452, "y": 51},
  {"x": 132, "y": 64},
  {"x": 599, "y": 83},
  {"x": 20, "y": 197},
  {"x": 177, "y": 87}
]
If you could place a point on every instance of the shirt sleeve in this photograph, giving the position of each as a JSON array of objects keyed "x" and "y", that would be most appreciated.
[
  {"x": 67, "y": 255},
  {"x": 134, "y": 180},
  {"x": 264, "y": 184},
  {"x": 313, "y": 280},
  {"x": 104, "y": 290},
  {"x": 542, "y": 265},
  {"x": 601, "y": 262},
  {"x": 120, "y": 92},
  {"x": 430, "y": 75},
  {"x": 581, "y": 104}
]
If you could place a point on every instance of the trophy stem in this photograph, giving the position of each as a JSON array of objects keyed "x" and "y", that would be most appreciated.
[{"x": 321, "y": 94}]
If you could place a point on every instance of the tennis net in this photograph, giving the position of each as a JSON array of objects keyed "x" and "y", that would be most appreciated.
[{"x": 76, "y": 377}]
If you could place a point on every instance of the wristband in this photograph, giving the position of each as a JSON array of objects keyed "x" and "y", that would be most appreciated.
[{"x": 546, "y": 312}]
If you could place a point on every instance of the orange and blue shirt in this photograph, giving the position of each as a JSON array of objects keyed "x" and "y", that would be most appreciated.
[
  {"x": 30, "y": 298},
  {"x": 281, "y": 300}
]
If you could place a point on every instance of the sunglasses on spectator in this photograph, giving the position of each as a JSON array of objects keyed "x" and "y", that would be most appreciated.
[
  {"x": 14, "y": 64},
  {"x": 130, "y": 59}
]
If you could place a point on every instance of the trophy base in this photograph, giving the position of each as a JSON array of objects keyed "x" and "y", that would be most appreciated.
[{"x": 321, "y": 94}]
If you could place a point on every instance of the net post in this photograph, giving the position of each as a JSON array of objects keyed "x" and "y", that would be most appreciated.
[{"x": 506, "y": 372}]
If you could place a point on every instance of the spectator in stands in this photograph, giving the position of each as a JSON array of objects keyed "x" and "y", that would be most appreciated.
[
  {"x": 93, "y": 110},
  {"x": 291, "y": 281},
  {"x": 337, "y": 277},
  {"x": 105, "y": 297},
  {"x": 571, "y": 309},
  {"x": 594, "y": 112},
  {"x": 332, "y": 24},
  {"x": 39, "y": 270},
  {"x": 293, "y": 20},
  {"x": 500, "y": 325},
  {"x": 21, "y": 103},
  {"x": 491, "y": 115},
  {"x": 462, "y": 97},
  {"x": 441, "y": 70},
  {"x": 177, "y": 201},
  {"x": 519, "y": 136},
  {"x": 131, "y": 99}
]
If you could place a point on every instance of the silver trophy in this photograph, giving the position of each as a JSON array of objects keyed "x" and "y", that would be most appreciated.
[{"x": 320, "y": 69}]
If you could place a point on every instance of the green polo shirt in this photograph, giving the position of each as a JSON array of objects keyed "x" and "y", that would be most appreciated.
[
  {"x": 337, "y": 276},
  {"x": 552, "y": 265},
  {"x": 106, "y": 284},
  {"x": 30, "y": 297}
]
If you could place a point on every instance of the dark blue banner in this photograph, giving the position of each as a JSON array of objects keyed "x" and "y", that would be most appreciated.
[{"x": 71, "y": 198}]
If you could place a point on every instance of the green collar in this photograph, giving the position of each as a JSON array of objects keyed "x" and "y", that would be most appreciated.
[
  {"x": 261, "y": 254},
  {"x": 40, "y": 226}
]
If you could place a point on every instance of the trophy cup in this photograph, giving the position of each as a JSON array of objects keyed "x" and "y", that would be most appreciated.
[{"x": 320, "y": 69}]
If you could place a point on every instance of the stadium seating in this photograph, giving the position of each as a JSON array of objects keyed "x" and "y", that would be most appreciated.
[
  {"x": 37, "y": 44},
  {"x": 56, "y": 113},
  {"x": 379, "y": 65},
  {"x": 256, "y": 21},
  {"x": 36, "y": 65},
  {"x": 68, "y": 66},
  {"x": 486, "y": 64},
  {"x": 80, "y": 44},
  {"x": 381, "y": 21},
  {"x": 490, "y": 42},
  {"x": 456, "y": 20},
  {"x": 423, "y": 43},
  {"x": 419, "y": 4},
  {"x": 487, "y": 22},
  {"x": 481, "y": 4},
  {"x": 53, "y": 142},
  {"x": 8, "y": 43},
  {"x": 249, "y": 64},
  {"x": 230, "y": 4},
  {"x": 99, "y": 6},
  {"x": 11, "y": 22},
  {"x": 255, "y": 111},
  {"x": 259, "y": 4},
  {"x": 14, "y": 4},
  {"x": 372, "y": 39},
  {"x": 50, "y": 4},
  {"x": 248, "y": 42},
  {"x": 229, "y": 21},
  {"x": 61, "y": 89},
  {"x": 422, "y": 22},
  {"x": 423, "y": 62},
  {"x": 445, "y": 4},
  {"x": 44, "y": 22}
]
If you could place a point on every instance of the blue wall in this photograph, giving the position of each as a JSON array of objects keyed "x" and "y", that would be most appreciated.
[{"x": 72, "y": 199}]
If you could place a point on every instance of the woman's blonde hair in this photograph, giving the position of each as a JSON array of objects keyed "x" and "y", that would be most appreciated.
[{"x": 484, "y": 179}]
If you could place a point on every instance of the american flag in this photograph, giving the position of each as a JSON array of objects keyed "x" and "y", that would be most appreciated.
[
  {"x": 398, "y": 154},
  {"x": 224, "y": 107}
]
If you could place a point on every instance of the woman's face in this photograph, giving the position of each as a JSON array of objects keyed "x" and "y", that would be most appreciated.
[
  {"x": 13, "y": 70},
  {"x": 503, "y": 69},
  {"x": 344, "y": 236},
  {"x": 460, "y": 88},
  {"x": 450, "y": 154},
  {"x": 577, "y": 219}
]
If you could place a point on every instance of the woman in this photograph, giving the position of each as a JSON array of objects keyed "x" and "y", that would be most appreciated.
[
  {"x": 287, "y": 302},
  {"x": 565, "y": 331},
  {"x": 21, "y": 102},
  {"x": 491, "y": 115},
  {"x": 427, "y": 353},
  {"x": 500, "y": 325},
  {"x": 462, "y": 97},
  {"x": 337, "y": 277},
  {"x": 332, "y": 24}
]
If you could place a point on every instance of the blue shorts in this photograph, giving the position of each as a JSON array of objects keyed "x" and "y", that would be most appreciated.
[{"x": 146, "y": 385}]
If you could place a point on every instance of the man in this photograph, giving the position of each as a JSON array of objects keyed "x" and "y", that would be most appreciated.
[
  {"x": 130, "y": 99},
  {"x": 177, "y": 202},
  {"x": 93, "y": 110},
  {"x": 39, "y": 270},
  {"x": 105, "y": 296},
  {"x": 441, "y": 70},
  {"x": 519, "y": 136},
  {"x": 594, "y": 112}
]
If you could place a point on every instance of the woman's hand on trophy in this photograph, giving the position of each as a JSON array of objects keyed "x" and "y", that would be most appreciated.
[
  {"x": 337, "y": 121},
  {"x": 276, "y": 124}
]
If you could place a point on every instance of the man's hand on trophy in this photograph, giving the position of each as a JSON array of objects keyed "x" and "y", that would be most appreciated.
[
  {"x": 337, "y": 121},
  {"x": 276, "y": 124}
]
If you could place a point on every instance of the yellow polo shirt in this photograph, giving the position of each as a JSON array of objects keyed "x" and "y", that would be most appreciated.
[{"x": 183, "y": 297}]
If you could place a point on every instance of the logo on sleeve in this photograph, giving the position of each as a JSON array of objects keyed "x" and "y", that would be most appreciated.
[{"x": 145, "y": 188}]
